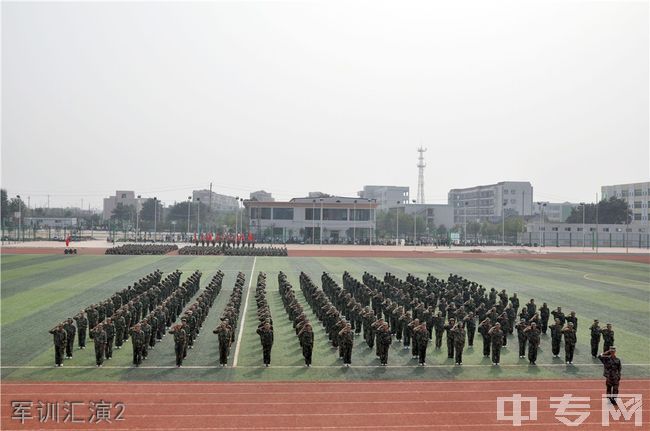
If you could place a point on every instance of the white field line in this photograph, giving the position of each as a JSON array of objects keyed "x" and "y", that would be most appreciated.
[{"x": 243, "y": 318}]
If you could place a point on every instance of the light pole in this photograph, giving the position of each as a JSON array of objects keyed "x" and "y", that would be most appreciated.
[
  {"x": 137, "y": 218},
  {"x": 465, "y": 222},
  {"x": 397, "y": 224},
  {"x": 541, "y": 223},
  {"x": 155, "y": 218},
  {"x": 313, "y": 221},
  {"x": 237, "y": 218},
  {"x": 373, "y": 227},
  {"x": 415, "y": 223},
  {"x": 582, "y": 204},
  {"x": 503, "y": 223},
  {"x": 189, "y": 205},
  {"x": 321, "y": 222},
  {"x": 354, "y": 223},
  {"x": 198, "y": 217},
  {"x": 241, "y": 216},
  {"x": 20, "y": 217}
]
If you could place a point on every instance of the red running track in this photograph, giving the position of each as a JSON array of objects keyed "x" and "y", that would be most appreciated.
[{"x": 377, "y": 405}]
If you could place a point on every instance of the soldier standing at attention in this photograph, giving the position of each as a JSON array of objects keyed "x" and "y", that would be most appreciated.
[
  {"x": 532, "y": 332},
  {"x": 544, "y": 314},
  {"x": 608, "y": 337},
  {"x": 137, "y": 340},
  {"x": 346, "y": 341},
  {"x": 82, "y": 327},
  {"x": 119, "y": 323},
  {"x": 224, "y": 335},
  {"x": 109, "y": 327},
  {"x": 450, "y": 338},
  {"x": 569, "y": 343},
  {"x": 60, "y": 341},
  {"x": 459, "y": 342},
  {"x": 611, "y": 372},
  {"x": 595, "y": 338},
  {"x": 306, "y": 336},
  {"x": 470, "y": 324},
  {"x": 70, "y": 332},
  {"x": 266, "y": 338},
  {"x": 496, "y": 336},
  {"x": 99, "y": 338},
  {"x": 180, "y": 338},
  {"x": 556, "y": 338},
  {"x": 439, "y": 327},
  {"x": 91, "y": 313}
]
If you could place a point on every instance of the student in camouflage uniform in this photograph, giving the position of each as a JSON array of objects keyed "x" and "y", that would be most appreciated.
[
  {"x": 82, "y": 327},
  {"x": 595, "y": 338},
  {"x": 306, "y": 336},
  {"x": 458, "y": 333},
  {"x": 569, "y": 342},
  {"x": 266, "y": 339},
  {"x": 544, "y": 314},
  {"x": 60, "y": 342},
  {"x": 70, "y": 331},
  {"x": 224, "y": 334},
  {"x": 522, "y": 338},
  {"x": 611, "y": 372},
  {"x": 532, "y": 333},
  {"x": 346, "y": 341},
  {"x": 180, "y": 339},
  {"x": 99, "y": 338},
  {"x": 608, "y": 337},
  {"x": 109, "y": 327},
  {"x": 384, "y": 339},
  {"x": 450, "y": 338},
  {"x": 137, "y": 340},
  {"x": 484, "y": 329},
  {"x": 556, "y": 338},
  {"x": 421, "y": 338},
  {"x": 496, "y": 336}
]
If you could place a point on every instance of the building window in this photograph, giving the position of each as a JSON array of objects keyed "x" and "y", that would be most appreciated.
[
  {"x": 567, "y": 229},
  {"x": 618, "y": 229},
  {"x": 637, "y": 204},
  {"x": 282, "y": 213},
  {"x": 361, "y": 214},
  {"x": 261, "y": 213},
  {"x": 335, "y": 214},
  {"x": 605, "y": 229},
  {"x": 624, "y": 193},
  {"x": 637, "y": 192},
  {"x": 312, "y": 214},
  {"x": 637, "y": 216},
  {"x": 505, "y": 191},
  {"x": 513, "y": 201},
  {"x": 578, "y": 229},
  {"x": 592, "y": 229},
  {"x": 512, "y": 192},
  {"x": 123, "y": 195},
  {"x": 554, "y": 229}
]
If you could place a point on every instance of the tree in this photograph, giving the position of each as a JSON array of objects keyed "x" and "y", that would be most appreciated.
[
  {"x": 5, "y": 205},
  {"x": 149, "y": 208},
  {"x": 612, "y": 211},
  {"x": 122, "y": 213}
]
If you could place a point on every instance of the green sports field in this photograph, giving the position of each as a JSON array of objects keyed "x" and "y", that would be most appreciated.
[{"x": 40, "y": 290}]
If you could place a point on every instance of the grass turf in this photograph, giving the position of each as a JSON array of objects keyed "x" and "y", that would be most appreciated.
[{"x": 39, "y": 291}]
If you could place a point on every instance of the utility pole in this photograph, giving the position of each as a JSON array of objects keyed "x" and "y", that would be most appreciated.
[
  {"x": 583, "y": 225},
  {"x": 421, "y": 166},
  {"x": 321, "y": 223},
  {"x": 397, "y": 224},
  {"x": 189, "y": 205},
  {"x": 415, "y": 223},
  {"x": 596, "y": 222},
  {"x": 354, "y": 223},
  {"x": 155, "y": 217}
]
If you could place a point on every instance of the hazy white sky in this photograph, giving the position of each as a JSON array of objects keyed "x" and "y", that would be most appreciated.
[{"x": 290, "y": 97}]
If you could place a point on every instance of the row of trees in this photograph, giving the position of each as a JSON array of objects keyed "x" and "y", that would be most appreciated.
[
  {"x": 611, "y": 211},
  {"x": 173, "y": 218}
]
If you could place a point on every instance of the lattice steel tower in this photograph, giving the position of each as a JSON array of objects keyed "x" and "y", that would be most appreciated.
[{"x": 421, "y": 166}]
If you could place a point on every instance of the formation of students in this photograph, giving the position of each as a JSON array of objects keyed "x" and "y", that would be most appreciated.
[
  {"x": 142, "y": 249},
  {"x": 411, "y": 312}
]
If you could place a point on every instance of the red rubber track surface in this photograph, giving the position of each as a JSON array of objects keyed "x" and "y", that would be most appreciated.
[{"x": 373, "y": 405}]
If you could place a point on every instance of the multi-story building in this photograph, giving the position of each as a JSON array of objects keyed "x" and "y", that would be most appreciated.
[
  {"x": 216, "y": 201},
  {"x": 124, "y": 197},
  {"x": 637, "y": 196},
  {"x": 339, "y": 219},
  {"x": 261, "y": 195},
  {"x": 487, "y": 203},
  {"x": 555, "y": 212},
  {"x": 386, "y": 197}
]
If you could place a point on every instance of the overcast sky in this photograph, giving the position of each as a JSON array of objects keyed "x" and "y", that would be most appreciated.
[{"x": 290, "y": 97}]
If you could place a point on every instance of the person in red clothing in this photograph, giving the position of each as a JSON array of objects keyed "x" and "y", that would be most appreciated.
[{"x": 67, "y": 240}]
